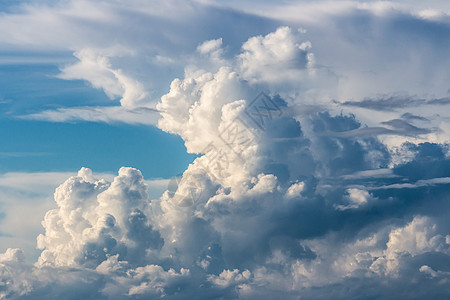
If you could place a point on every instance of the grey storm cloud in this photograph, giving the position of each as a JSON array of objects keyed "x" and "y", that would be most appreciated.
[
  {"x": 412, "y": 117},
  {"x": 398, "y": 127},
  {"x": 395, "y": 102}
]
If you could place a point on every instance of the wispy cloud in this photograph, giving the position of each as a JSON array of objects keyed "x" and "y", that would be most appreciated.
[
  {"x": 392, "y": 103},
  {"x": 139, "y": 115},
  {"x": 22, "y": 154}
]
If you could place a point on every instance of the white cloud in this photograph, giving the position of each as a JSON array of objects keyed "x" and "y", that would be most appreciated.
[
  {"x": 415, "y": 238},
  {"x": 356, "y": 198},
  {"x": 235, "y": 236},
  {"x": 213, "y": 49},
  {"x": 14, "y": 274},
  {"x": 432, "y": 273},
  {"x": 210, "y": 46},
  {"x": 93, "y": 221},
  {"x": 277, "y": 57},
  {"x": 97, "y": 70},
  {"x": 151, "y": 280},
  {"x": 295, "y": 189},
  {"x": 27, "y": 195},
  {"x": 230, "y": 277}
]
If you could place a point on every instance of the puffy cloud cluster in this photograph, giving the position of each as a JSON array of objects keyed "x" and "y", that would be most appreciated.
[
  {"x": 96, "y": 240},
  {"x": 276, "y": 57},
  {"x": 95, "y": 220},
  {"x": 287, "y": 199}
]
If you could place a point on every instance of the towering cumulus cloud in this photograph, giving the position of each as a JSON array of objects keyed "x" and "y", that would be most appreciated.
[{"x": 290, "y": 197}]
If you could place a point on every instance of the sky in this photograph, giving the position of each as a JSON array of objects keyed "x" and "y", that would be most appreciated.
[{"x": 209, "y": 149}]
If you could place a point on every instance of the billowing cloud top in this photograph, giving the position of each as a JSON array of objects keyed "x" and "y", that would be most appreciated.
[{"x": 291, "y": 196}]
